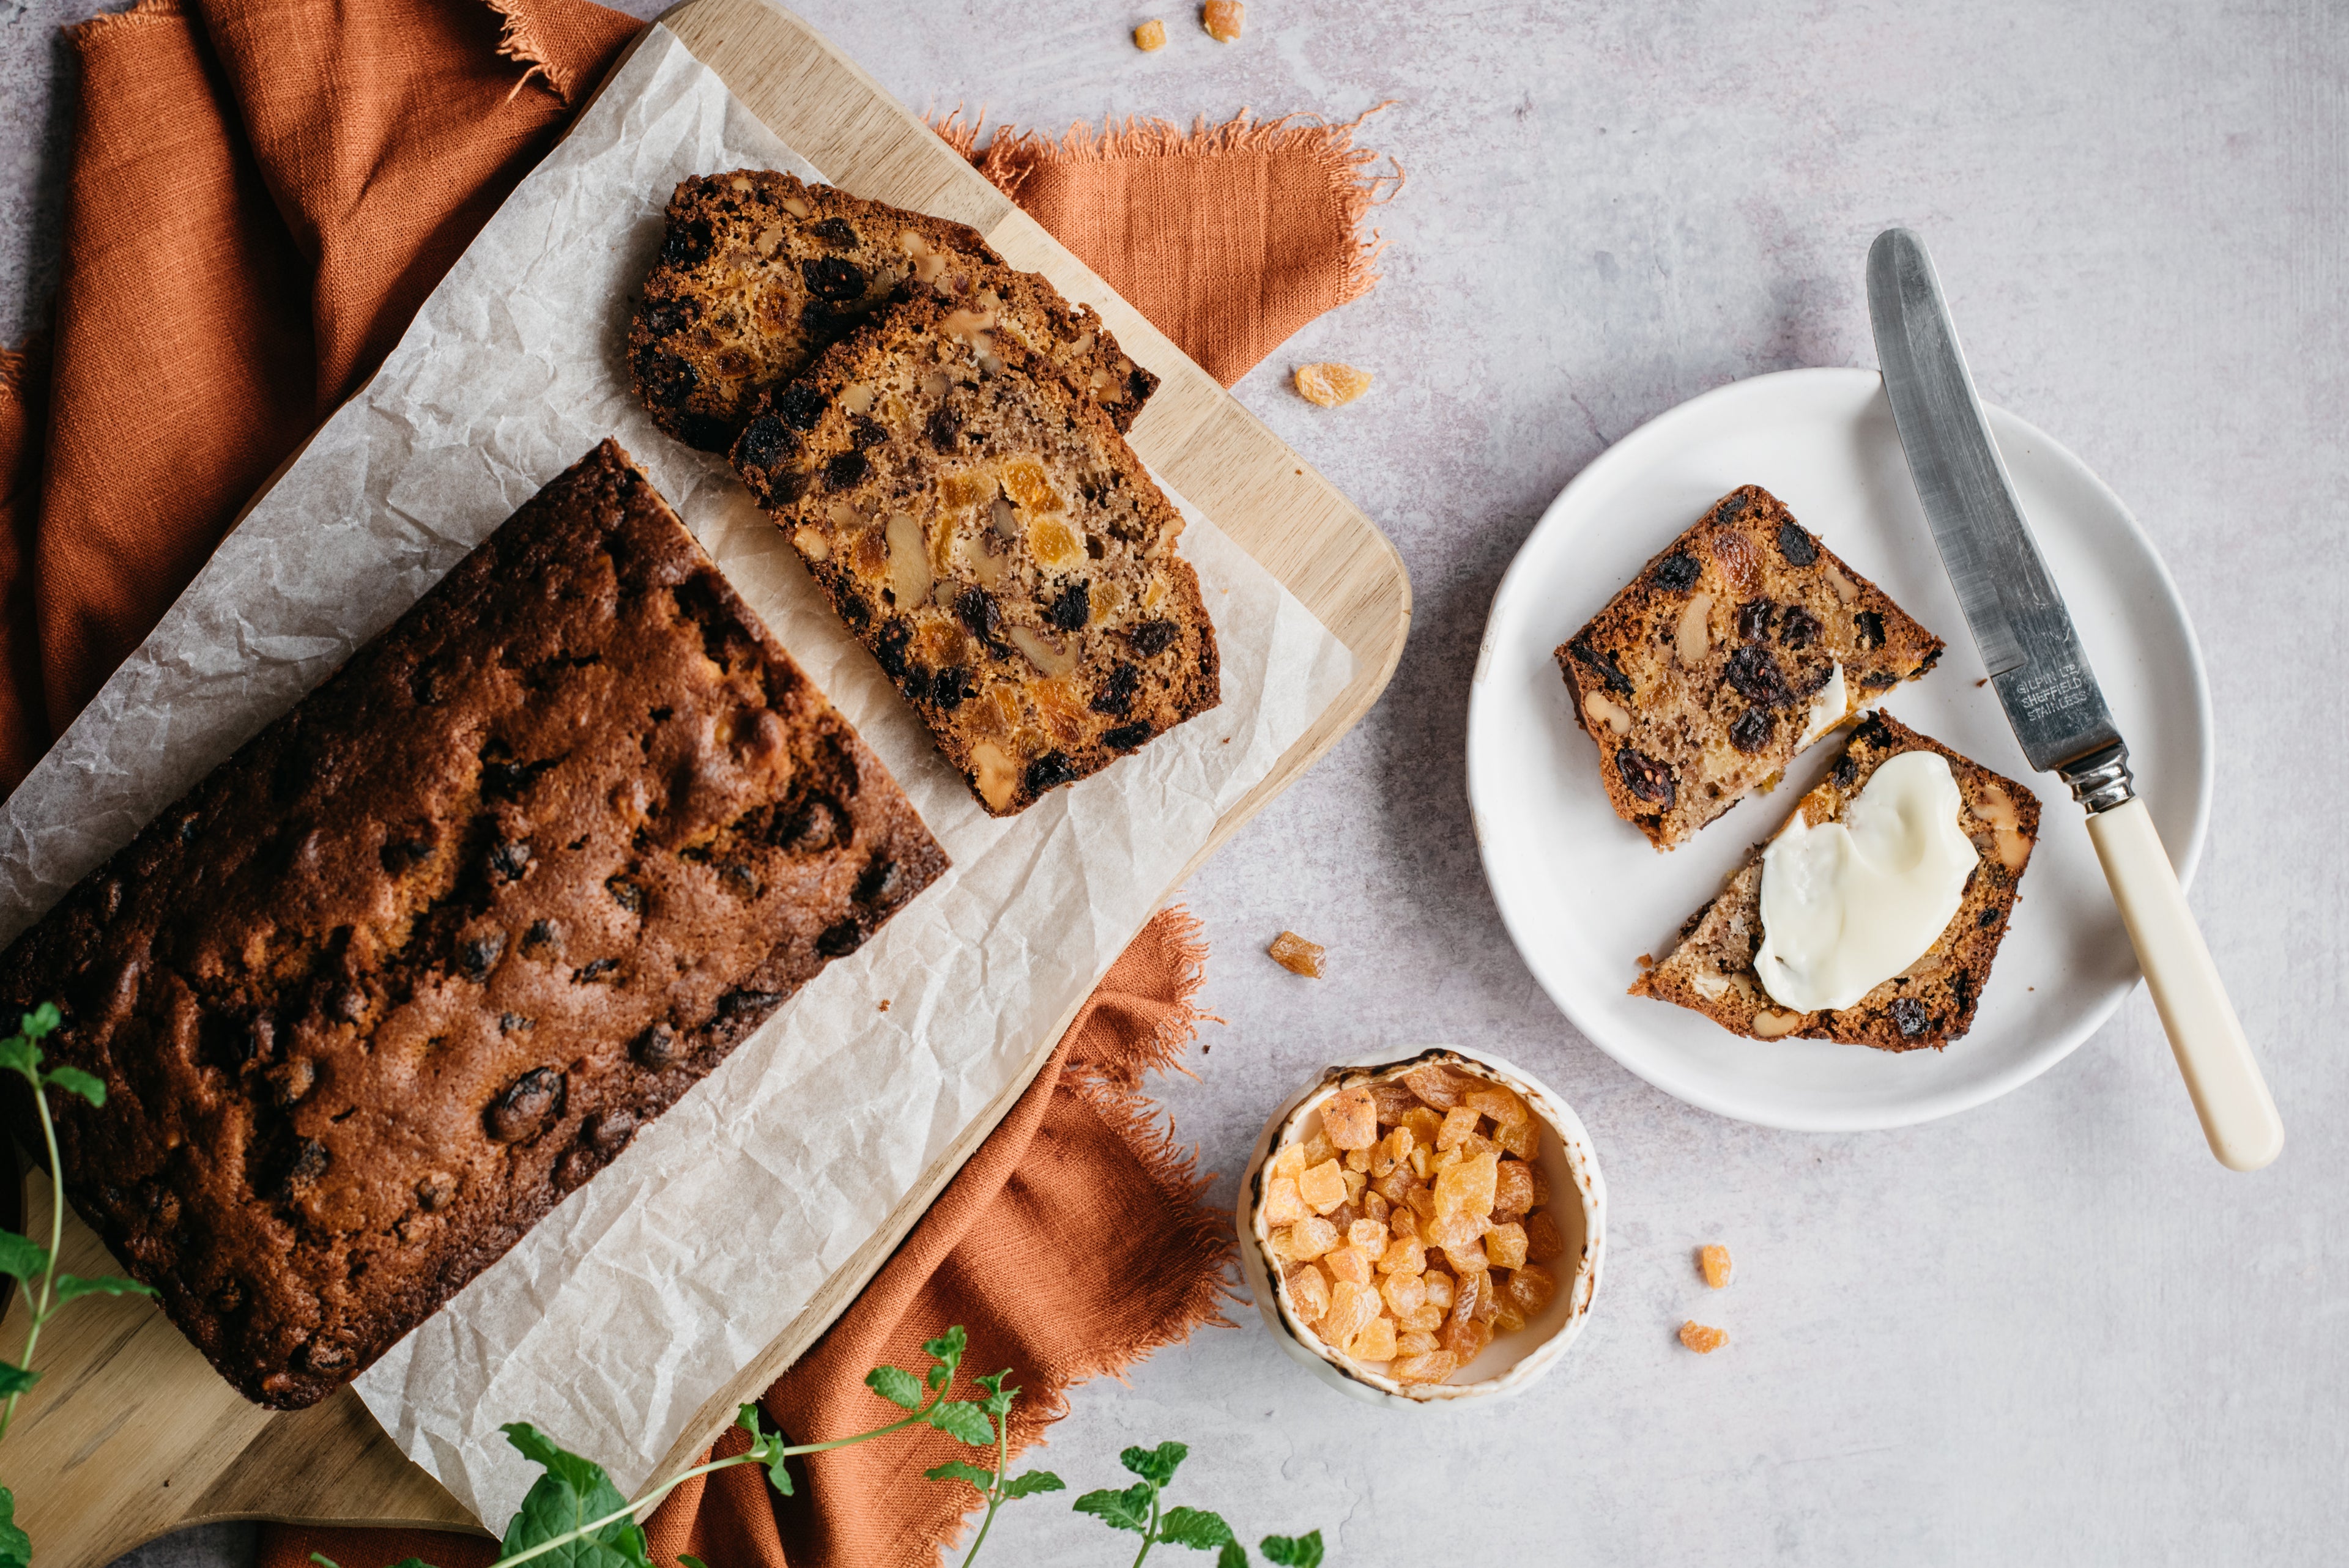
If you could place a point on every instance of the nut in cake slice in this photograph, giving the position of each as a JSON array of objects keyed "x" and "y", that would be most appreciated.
[
  {"x": 1741, "y": 643},
  {"x": 1931, "y": 1001},
  {"x": 982, "y": 528},
  {"x": 758, "y": 272}
]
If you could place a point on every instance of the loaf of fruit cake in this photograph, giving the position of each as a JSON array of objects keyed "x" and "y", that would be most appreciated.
[
  {"x": 424, "y": 954},
  {"x": 1743, "y": 642},
  {"x": 983, "y": 528},
  {"x": 1714, "y": 969},
  {"x": 758, "y": 272}
]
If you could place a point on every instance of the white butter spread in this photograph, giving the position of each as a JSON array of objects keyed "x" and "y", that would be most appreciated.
[
  {"x": 1848, "y": 904},
  {"x": 1827, "y": 710}
]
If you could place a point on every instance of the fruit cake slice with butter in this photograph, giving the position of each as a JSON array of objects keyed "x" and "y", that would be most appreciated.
[
  {"x": 1736, "y": 647},
  {"x": 980, "y": 524},
  {"x": 1835, "y": 929},
  {"x": 758, "y": 272}
]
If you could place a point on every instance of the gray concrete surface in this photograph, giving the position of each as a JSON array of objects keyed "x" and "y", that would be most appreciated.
[{"x": 2048, "y": 1331}]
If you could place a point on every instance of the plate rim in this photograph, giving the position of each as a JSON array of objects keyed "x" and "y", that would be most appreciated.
[{"x": 1818, "y": 380}]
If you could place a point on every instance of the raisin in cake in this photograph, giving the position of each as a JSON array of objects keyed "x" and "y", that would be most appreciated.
[
  {"x": 760, "y": 273},
  {"x": 1932, "y": 1001},
  {"x": 1739, "y": 645},
  {"x": 983, "y": 528},
  {"x": 424, "y": 954}
]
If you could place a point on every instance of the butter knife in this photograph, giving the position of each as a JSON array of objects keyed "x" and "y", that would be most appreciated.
[{"x": 2051, "y": 697}]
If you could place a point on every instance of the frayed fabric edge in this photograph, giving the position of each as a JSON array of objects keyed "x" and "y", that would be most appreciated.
[
  {"x": 146, "y": 11},
  {"x": 518, "y": 41},
  {"x": 1010, "y": 156}
]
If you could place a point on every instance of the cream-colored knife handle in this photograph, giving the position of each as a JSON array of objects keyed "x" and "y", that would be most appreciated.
[{"x": 2239, "y": 1115}]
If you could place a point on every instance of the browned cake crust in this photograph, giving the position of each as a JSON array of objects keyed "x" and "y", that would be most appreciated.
[
  {"x": 981, "y": 527},
  {"x": 1697, "y": 679},
  {"x": 1932, "y": 1001},
  {"x": 760, "y": 273},
  {"x": 423, "y": 955}
]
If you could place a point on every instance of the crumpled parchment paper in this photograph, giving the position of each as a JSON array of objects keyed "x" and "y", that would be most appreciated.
[{"x": 633, "y": 1301}]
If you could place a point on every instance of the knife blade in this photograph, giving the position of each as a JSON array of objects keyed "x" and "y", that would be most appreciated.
[{"x": 2049, "y": 691}]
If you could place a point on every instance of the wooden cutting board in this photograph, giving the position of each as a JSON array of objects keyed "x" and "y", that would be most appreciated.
[{"x": 131, "y": 1434}]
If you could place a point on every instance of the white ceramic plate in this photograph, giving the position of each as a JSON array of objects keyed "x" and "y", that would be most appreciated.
[{"x": 1582, "y": 893}]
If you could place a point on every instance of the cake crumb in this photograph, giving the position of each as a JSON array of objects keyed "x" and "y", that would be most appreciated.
[
  {"x": 1703, "y": 1340},
  {"x": 884, "y": 1004},
  {"x": 1646, "y": 961},
  {"x": 1331, "y": 384},
  {"x": 1151, "y": 35},
  {"x": 1222, "y": 19},
  {"x": 1714, "y": 1259},
  {"x": 1296, "y": 956}
]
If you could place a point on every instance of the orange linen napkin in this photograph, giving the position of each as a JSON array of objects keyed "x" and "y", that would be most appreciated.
[{"x": 1073, "y": 1244}]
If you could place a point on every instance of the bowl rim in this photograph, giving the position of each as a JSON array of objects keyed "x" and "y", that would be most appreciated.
[{"x": 1581, "y": 1159}]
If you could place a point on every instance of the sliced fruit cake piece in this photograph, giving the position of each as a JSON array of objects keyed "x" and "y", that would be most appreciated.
[
  {"x": 983, "y": 528},
  {"x": 1741, "y": 643},
  {"x": 1721, "y": 968},
  {"x": 760, "y": 272}
]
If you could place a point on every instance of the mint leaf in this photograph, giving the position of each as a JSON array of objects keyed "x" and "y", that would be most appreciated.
[
  {"x": 1154, "y": 1465},
  {"x": 1195, "y": 1527},
  {"x": 691, "y": 1561},
  {"x": 73, "y": 1080},
  {"x": 21, "y": 1257},
  {"x": 403, "y": 1562},
  {"x": 998, "y": 1398},
  {"x": 572, "y": 1492},
  {"x": 946, "y": 1347},
  {"x": 42, "y": 1020},
  {"x": 896, "y": 1384},
  {"x": 324, "y": 1561},
  {"x": 1031, "y": 1483},
  {"x": 1293, "y": 1551},
  {"x": 15, "y": 1546},
  {"x": 964, "y": 1423},
  {"x": 73, "y": 1286},
  {"x": 15, "y": 1380},
  {"x": 1233, "y": 1555},
  {"x": 766, "y": 1449},
  {"x": 1127, "y": 1509},
  {"x": 955, "y": 1470}
]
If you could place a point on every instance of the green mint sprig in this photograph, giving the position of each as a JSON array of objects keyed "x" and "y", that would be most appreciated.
[
  {"x": 996, "y": 1485},
  {"x": 1137, "y": 1508}
]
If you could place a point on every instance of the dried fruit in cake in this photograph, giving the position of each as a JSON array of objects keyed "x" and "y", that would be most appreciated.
[
  {"x": 982, "y": 529},
  {"x": 760, "y": 272},
  {"x": 1929, "y": 1003},
  {"x": 1705, "y": 1341},
  {"x": 1296, "y": 956},
  {"x": 1739, "y": 645},
  {"x": 1331, "y": 384}
]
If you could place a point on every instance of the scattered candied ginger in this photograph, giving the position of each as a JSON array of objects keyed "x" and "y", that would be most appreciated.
[
  {"x": 1223, "y": 19},
  {"x": 1151, "y": 35},
  {"x": 1408, "y": 1233},
  {"x": 1714, "y": 1259},
  {"x": 1705, "y": 1341},
  {"x": 1296, "y": 956},
  {"x": 1331, "y": 384}
]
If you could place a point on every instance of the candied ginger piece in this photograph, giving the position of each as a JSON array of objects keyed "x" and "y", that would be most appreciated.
[
  {"x": 1331, "y": 384},
  {"x": 1376, "y": 1342},
  {"x": 1508, "y": 1319},
  {"x": 1466, "y": 1188},
  {"x": 1705, "y": 1341},
  {"x": 1282, "y": 1206},
  {"x": 1503, "y": 1105},
  {"x": 1351, "y": 1117},
  {"x": 1359, "y": 1160},
  {"x": 1151, "y": 35},
  {"x": 1290, "y": 1161},
  {"x": 1422, "y": 1124},
  {"x": 1432, "y": 1368},
  {"x": 1438, "y": 1086},
  {"x": 1713, "y": 1258},
  {"x": 1403, "y": 1255},
  {"x": 1419, "y": 1162},
  {"x": 1308, "y": 1294},
  {"x": 1319, "y": 1151},
  {"x": 1544, "y": 1243},
  {"x": 1465, "y": 1339},
  {"x": 1442, "y": 1290},
  {"x": 1311, "y": 1237},
  {"x": 1522, "y": 1138},
  {"x": 1351, "y": 1308},
  {"x": 1395, "y": 1184},
  {"x": 1468, "y": 1260},
  {"x": 1424, "y": 1318},
  {"x": 1296, "y": 956},
  {"x": 1393, "y": 1099},
  {"x": 1422, "y": 1202},
  {"x": 1404, "y": 1291},
  {"x": 1323, "y": 1187},
  {"x": 1414, "y": 1342},
  {"x": 1459, "y": 1122},
  {"x": 1453, "y": 1229},
  {"x": 1466, "y": 1292},
  {"x": 1355, "y": 1182},
  {"x": 1348, "y": 1264},
  {"x": 1377, "y": 1159},
  {"x": 1404, "y": 1223},
  {"x": 1504, "y": 1246},
  {"x": 1532, "y": 1287},
  {"x": 1222, "y": 19},
  {"x": 1367, "y": 1235},
  {"x": 1541, "y": 1184},
  {"x": 1513, "y": 1188},
  {"x": 1376, "y": 1207}
]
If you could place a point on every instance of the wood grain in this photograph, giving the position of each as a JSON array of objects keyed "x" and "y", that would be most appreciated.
[{"x": 131, "y": 1434}]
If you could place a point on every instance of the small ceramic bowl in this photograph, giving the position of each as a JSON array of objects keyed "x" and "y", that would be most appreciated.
[{"x": 1513, "y": 1362}]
